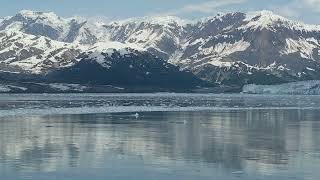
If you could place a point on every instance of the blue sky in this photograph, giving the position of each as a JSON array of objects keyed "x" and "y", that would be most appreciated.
[{"x": 304, "y": 10}]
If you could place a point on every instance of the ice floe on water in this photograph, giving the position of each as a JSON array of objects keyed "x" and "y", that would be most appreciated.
[
  {"x": 124, "y": 109},
  {"x": 50, "y": 104}
]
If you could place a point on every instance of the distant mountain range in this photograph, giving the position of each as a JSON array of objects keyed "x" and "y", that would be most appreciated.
[{"x": 164, "y": 52}]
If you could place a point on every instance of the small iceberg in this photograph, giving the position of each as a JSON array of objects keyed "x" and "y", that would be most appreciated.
[{"x": 136, "y": 115}]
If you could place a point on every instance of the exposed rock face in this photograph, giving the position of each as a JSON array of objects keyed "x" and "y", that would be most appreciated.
[{"x": 126, "y": 68}]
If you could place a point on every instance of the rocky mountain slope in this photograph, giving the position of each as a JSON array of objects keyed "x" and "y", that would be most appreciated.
[
  {"x": 233, "y": 48},
  {"x": 125, "y": 68}
]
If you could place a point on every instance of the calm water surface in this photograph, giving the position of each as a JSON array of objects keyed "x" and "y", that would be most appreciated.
[{"x": 176, "y": 136}]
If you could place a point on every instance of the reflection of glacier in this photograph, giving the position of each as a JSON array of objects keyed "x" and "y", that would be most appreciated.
[
  {"x": 299, "y": 88},
  {"x": 258, "y": 140}
]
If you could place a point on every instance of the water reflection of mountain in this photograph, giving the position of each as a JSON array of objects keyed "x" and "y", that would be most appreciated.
[{"x": 252, "y": 140}]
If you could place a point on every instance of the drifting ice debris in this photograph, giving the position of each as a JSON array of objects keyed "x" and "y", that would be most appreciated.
[
  {"x": 238, "y": 172},
  {"x": 136, "y": 115}
]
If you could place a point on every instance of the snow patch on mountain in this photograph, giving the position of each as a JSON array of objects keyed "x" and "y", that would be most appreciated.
[
  {"x": 104, "y": 45},
  {"x": 213, "y": 55},
  {"x": 101, "y": 56},
  {"x": 302, "y": 46},
  {"x": 223, "y": 49}
]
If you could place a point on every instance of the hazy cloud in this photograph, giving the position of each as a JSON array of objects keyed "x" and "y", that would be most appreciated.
[
  {"x": 303, "y": 10},
  {"x": 206, "y": 7},
  {"x": 313, "y": 4}
]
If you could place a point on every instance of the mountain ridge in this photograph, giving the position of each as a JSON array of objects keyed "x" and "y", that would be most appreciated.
[{"x": 256, "y": 47}]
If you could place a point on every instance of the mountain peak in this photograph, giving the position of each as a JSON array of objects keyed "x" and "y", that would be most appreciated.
[
  {"x": 161, "y": 20},
  {"x": 27, "y": 12},
  {"x": 38, "y": 14},
  {"x": 266, "y": 19},
  {"x": 267, "y": 13},
  {"x": 219, "y": 16}
]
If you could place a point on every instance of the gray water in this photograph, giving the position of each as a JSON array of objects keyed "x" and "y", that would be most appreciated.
[{"x": 176, "y": 136}]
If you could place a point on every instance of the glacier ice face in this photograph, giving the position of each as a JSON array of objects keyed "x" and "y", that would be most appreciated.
[{"x": 294, "y": 88}]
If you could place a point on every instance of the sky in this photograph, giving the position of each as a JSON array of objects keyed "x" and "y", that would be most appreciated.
[{"x": 303, "y": 10}]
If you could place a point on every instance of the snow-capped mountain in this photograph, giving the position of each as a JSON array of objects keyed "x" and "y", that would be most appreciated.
[
  {"x": 35, "y": 53},
  {"x": 52, "y": 26},
  {"x": 38, "y": 42},
  {"x": 245, "y": 45},
  {"x": 233, "y": 48},
  {"x": 162, "y": 36}
]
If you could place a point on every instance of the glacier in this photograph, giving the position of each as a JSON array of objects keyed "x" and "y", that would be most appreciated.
[{"x": 293, "y": 88}]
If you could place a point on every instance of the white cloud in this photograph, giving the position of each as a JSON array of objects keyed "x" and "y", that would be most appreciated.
[
  {"x": 206, "y": 7},
  {"x": 288, "y": 11},
  {"x": 302, "y": 10},
  {"x": 313, "y": 4}
]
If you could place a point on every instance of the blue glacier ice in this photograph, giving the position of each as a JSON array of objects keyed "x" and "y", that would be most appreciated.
[{"x": 294, "y": 88}]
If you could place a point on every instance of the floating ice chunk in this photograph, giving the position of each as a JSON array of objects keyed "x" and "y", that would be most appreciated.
[{"x": 136, "y": 115}]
